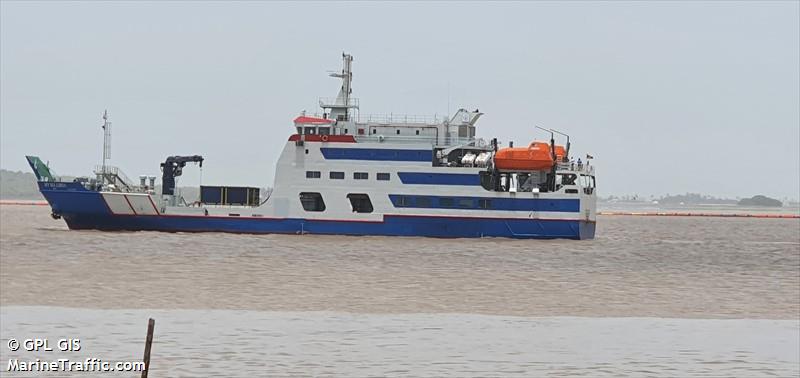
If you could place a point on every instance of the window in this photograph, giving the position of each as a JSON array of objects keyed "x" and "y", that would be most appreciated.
[
  {"x": 484, "y": 204},
  {"x": 445, "y": 202},
  {"x": 398, "y": 131},
  {"x": 383, "y": 177},
  {"x": 312, "y": 201},
  {"x": 417, "y": 132},
  {"x": 360, "y": 202},
  {"x": 345, "y": 131},
  {"x": 568, "y": 179},
  {"x": 299, "y": 130},
  {"x": 324, "y": 131},
  {"x": 337, "y": 175},
  {"x": 313, "y": 174},
  {"x": 311, "y": 130},
  {"x": 403, "y": 201},
  {"x": 465, "y": 203},
  {"x": 360, "y": 175},
  {"x": 374, "y": 131},
  {"x": 423, "y": 202}
]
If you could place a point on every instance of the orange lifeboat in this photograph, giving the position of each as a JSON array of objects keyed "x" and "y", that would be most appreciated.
[{"x": 535, "y": 157}]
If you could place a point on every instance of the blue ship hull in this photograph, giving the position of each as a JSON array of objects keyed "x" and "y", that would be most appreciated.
[{"x": 86, "y": 209}]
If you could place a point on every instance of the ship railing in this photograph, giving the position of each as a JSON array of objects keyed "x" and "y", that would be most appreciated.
[
  {"x": 115, "y": 176},
  {"x": 575, "y": 167},
  {"x": 421, "y": 139},
  {"x": 328, "y": 102},
  {"x": 479, "y": 142},
  {"x": 410, "y": 139},
  {"x": 401, "y": 118}
]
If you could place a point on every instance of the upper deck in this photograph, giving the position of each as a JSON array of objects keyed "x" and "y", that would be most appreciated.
[{"x": 404, "y": 129}]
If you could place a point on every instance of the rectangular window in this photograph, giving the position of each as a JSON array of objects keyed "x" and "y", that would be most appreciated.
[
  {"x": 383, "y": 177},
  {"x": 312, "y": 201},
  {"x": 299, "y": 130},
  {"x": 403, "y": 201},
  {"x": 423, "y": 202},
  {"x": 324, "y": 131},
  {"x": 310, "y": 130},
  {"x": 360, "y": 203},
  {"x": 484, "y": 204},
  {"x": 337, "y": 175},
  {"x": 360, "y": 175},
  {"x": 465, "y": 203},
  {"x": 445, "y": 202},
  {"x": 313, "y": 174}
]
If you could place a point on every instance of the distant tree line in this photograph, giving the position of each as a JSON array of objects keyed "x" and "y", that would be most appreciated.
[{"x": 697, "y": 199}]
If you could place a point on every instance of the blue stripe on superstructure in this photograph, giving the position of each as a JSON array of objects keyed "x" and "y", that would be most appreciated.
[
  {"x": 425, "y": 178},
  {"x": 565, "y": 205},
  {"x": 376, "y": 154}
]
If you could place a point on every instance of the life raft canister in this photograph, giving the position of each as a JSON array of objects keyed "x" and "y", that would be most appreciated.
[{"x": 536, "y": 157}]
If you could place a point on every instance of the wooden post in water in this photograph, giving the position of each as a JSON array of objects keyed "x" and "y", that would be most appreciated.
[{"x": 151, "y": 324}]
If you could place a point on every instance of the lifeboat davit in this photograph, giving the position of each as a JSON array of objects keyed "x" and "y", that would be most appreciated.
[{"x": 535, "y": 157}]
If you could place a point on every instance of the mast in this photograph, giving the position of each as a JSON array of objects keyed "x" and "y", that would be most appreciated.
[
  {"x": 340, "y": 107},
  {"x": 106, "y": 142},
  {"x": 343, "y": 99}
]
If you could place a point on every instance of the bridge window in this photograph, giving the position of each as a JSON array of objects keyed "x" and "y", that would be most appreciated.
[
  {"x": 337, "y": 175},
  {"x": 312, "y": 201},
  {"x": 588, "y": 183},
  {"x": 360, "y": 202},
  {"x": 324, "y": 131},
  {"x": 360, "y": 175},
  {"x": 383, "y": 177},
  {"x": 313, "y": 174},
  {"x": 310, "y": 130},
  {"x": 299, "y": 130},
  {"x": 568, "y": 178}
]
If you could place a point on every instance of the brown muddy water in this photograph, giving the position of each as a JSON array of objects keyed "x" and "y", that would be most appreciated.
[{"x": 648, "y": 297}]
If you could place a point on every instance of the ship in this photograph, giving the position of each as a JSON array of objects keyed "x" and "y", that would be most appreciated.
[{"x": 344, "y": 173}]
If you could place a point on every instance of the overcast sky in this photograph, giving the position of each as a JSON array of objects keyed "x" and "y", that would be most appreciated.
[{"x": 669, "y": 97}]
